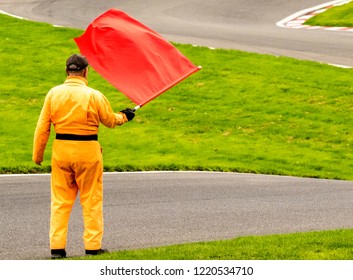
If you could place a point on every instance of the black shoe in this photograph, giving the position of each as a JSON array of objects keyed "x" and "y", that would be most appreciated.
[
  {"x": 58, "y": 254},
  {"x": 96, "y": 252}
]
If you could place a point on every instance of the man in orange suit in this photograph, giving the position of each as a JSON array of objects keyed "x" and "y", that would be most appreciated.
[{"x": 76, "y": 111}]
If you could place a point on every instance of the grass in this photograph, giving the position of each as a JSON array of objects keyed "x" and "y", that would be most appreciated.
[
  {"x": 326, "y": 245},
  {"x": 340, "y": 16},
  {"x": 242, "y": 112}
]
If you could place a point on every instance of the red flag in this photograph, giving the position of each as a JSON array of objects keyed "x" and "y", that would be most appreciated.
[{"x": 132, "y": 57}]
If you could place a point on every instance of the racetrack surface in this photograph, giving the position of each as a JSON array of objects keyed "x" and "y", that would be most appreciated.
[
  {"x": 248, "y": 25},
  {"x": 161, "y": 208},
  {"x": 153, "y": 209}
]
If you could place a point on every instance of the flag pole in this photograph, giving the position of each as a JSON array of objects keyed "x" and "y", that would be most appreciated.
[
  {"x": 136, "y": 108},
  {"x": 139, "y": 106}
]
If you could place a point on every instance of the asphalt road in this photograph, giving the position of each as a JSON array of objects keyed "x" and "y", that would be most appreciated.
[
  {"x": 153, "y": 209},
  {"x": 248, "y": 25}
]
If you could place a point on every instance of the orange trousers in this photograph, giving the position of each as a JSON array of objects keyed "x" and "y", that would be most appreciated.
[{"x": 76, "y": 167}]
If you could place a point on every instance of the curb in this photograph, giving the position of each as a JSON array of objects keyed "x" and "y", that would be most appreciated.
[{"x": 298, "y": 19}]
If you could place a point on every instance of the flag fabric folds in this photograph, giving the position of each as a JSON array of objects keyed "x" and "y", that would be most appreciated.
[{"x": 135, "y": 59}]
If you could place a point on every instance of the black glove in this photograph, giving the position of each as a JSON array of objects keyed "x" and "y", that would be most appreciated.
[{"x": 129, "y": 113}]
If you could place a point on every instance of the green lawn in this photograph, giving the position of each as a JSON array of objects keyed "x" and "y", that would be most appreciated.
[
  {"x": 327, "y": 245},
  {"x": 340, "y": 16},
  {"x": 242, "y": 112}
]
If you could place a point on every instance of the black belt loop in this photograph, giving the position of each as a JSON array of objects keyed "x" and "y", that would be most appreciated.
[{"x": 75, "y": 137}]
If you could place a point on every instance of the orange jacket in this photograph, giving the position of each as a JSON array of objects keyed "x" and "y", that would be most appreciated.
[{"x": 73, "y": 108}]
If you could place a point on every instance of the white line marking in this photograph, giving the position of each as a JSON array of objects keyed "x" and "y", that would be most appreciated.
[
  {"x": 11, "y": 15},
  {"x": 127, "y": 172}
]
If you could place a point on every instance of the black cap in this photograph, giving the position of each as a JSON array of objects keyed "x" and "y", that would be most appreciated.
[{"x": 76, "y": 62}]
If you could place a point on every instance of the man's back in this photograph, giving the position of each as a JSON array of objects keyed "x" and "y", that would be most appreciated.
[{"x": 75, "y": 108}]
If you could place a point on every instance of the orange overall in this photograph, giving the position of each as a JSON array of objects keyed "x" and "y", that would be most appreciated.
[{"x": 74, "y": 108}]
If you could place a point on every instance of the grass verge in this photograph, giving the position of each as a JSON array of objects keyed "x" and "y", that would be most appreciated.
[
  {"x": 243, "y": 112},
  {"x": 324, "y": 245},
  {"x": 340, "y": 16}
]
